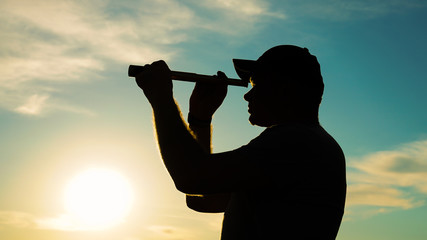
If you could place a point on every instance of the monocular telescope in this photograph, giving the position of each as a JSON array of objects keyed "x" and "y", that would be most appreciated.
[{"x": 134, "y": 70}]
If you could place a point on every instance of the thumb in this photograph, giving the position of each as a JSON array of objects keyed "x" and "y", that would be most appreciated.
[{"x": 222, "y": 76}]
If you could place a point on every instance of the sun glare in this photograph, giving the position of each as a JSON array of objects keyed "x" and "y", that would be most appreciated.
[{"x": 98, "y": 198}]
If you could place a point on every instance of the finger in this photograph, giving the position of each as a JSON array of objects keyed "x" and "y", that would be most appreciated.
[
  {"x": 222, "y": 75},
  {"x": 202, "y": 86},
  {"x": 161, "y": 64},
  {"x": 142, "y": 72}
]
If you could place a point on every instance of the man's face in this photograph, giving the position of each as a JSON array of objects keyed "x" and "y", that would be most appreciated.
[{"x": 264, "y": 101}]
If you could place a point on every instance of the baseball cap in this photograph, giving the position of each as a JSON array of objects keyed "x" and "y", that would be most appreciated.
[{"x": 283, "y": 60}]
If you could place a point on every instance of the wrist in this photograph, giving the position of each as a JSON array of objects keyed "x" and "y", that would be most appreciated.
[
  {"x": 161, "y": 102},
  {"x": 196, "y": 121}
]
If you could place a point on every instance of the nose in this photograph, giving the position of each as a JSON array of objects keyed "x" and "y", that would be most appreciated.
[{"x": 248, "y": 95}]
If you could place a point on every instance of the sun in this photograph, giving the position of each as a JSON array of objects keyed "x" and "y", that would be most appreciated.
[{"x": 98, "y": 198}]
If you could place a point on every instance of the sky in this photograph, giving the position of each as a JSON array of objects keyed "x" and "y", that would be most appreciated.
[{"x": 68, "y": 110}]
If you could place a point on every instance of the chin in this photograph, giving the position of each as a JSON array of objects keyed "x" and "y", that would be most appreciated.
[{"x": 258, "y": 122}]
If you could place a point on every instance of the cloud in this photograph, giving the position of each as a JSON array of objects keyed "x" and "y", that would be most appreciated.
[
  {"x": 163, "y": 230},
  {"x": 337, "y": 10},
  {"x": 34, "y": 105},
  {"x": 171, "y": 232},
  {"x": 404, "y": 167},
  {"x": 237, "y": 18},
  {"x": 372, "y": 195},
  {"x": 16, "y": 219},
  {"x": 37, "y": 105},
  {"x": 52, "y": 42},
  {"x": 63, "y": 222},
  {"x": 66, "y": 223},
  {"x": 46, "y": 43},
  {"x": 389, "y": 179},
  {"x": 243, "y": 9}
]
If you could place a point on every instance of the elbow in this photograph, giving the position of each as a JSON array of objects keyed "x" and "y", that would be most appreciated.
[
  {"x": 187, "y": 186},
  {"x": 211, "y": 203},
  {"x": 181, "y": 186},
  {"x": 200, "y": 207},
  {"x": 192, "y": 204},
  {"x": 191, "y": 178},
  {"x": 190, "y": 182}
]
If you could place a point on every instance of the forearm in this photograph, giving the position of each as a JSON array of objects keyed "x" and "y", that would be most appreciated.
[
  {"x": 203, "y": 136},
  {"x": 180, "y": 151},
  {"x": 208, "y": 203},
  {"x": 185, "y": 159}
]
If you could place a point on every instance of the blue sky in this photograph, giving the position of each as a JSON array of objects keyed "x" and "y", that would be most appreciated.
[{"x": 67, "y": 104}]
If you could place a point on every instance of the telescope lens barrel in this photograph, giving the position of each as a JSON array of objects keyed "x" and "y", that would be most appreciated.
[{"x": 134, "y": 70}]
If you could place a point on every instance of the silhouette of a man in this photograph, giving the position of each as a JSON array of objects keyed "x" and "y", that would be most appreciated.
[{"x": 287, "y": 183}]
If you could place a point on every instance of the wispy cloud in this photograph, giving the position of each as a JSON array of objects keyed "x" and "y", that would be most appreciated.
[
  {"x": 390, "y": 179},
  {"x": 34, "y": 105},
  {"x": 47, "y": 42},
  {"x": 60, "y": 223},
  {"x": 381, "y": 196},
  {"x": 169, "y": 232},
  {"x": 233, "y": 17},
  {"x": 63, "y": 222},
  {"x": 60, "y": 41},
  {"x": 66, "y": 223},
  {"x": 16, "y": 219},
  {"x": 337, "y": 10},
  {"x": 246, "y": 10}
]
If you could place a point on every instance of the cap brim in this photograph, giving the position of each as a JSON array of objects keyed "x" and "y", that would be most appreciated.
[{"x": 244, "y": 68}]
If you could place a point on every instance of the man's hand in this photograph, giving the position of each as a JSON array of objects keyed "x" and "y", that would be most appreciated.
[
  {"x": 155, "y": 80},
  {"x": 207, "y": 97}
]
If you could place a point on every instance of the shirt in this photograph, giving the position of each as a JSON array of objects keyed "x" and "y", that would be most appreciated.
[{"x": 302, "y": 191}]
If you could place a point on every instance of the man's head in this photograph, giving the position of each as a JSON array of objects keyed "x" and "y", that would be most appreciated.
[{"x": 287, "y": 85}]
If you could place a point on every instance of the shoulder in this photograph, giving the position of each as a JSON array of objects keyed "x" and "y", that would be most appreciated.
[
  {"x": 293, "y": 141},
  {"x": 277, "y": 143},
  {"x": 284, "y": 134}
]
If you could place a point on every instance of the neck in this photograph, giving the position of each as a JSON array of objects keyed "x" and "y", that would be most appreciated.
[{"x": 310, "y": 118}]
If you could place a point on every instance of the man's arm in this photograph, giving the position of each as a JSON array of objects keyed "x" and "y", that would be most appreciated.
[
  {"x": 192, "y": 168},
  {"x": 184, "y": 158},
  {"x": 212, "y": 203}
]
